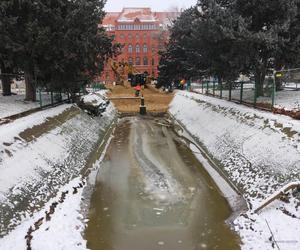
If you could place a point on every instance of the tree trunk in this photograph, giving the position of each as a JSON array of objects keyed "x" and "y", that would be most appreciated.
[
  {"x": 278, "y": 80},
  {"x": 6, "y": 80},
  {"x": 30, "y": 88},
  {"x": 278, "y": 83},
  {"x": 6, "y": 85},
  {"x": 258, "y": 85},
  {"x": 260, "y": 75}
]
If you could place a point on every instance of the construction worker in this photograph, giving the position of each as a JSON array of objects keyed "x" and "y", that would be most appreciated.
[
  {"x": 137, "y": 90},
  {"x": 182, "y": 83}
]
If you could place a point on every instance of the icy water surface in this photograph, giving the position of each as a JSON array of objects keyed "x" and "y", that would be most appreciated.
[{"x": 152, "y": 193}]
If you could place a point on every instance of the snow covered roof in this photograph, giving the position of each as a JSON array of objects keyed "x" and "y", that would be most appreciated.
[
  {"x": 110, "y": 19},
  {"x": 143, "y": 15},
  {"x": 133, "y": 14},
  {"x": 166, "y": 18}
]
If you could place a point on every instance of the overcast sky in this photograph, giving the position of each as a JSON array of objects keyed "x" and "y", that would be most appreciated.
[{"x": 156, "y": 5}]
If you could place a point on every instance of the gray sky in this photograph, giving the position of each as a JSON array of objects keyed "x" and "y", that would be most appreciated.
[{"x": 156, "y": 5}]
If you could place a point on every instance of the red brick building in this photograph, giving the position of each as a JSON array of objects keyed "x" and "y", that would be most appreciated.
[{"x": 143, "y": 33}]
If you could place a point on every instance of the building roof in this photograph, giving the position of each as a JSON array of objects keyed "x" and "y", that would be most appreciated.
[
  {"x": 141, "y": 14},
  {"x": 166, "y": 18},
  {"x": 131, "y": 14},
  {"x": 110, "y": 18}
]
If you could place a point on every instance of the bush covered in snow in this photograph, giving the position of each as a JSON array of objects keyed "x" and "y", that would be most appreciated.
[{"x": 94, "y": 103}]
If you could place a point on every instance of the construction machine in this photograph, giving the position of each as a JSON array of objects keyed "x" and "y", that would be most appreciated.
[{"x": 121, "y": 71}]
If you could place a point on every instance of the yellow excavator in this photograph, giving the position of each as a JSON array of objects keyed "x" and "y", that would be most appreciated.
[{"x": 121, "y": 71}]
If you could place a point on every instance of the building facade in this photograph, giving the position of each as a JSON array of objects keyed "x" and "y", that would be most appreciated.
[{"x": 142, "y": 33}]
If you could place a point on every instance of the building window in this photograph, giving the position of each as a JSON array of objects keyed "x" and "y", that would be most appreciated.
[
  {"x": 137, "y": 27},
  {"x": 145, "y": 48},
  {"x": 129, "y": 48},
  {"x": 138, "y": 61},
  {"x": 129, "y": 36},
  {"x": 130, "y": 61},
  {"x": 145, "y": 36},
  {"x": 137, "y": 48},
  {"x": 137, "y": 37},
  {"x": 145, "y": 60},
  {"x": 122, "y": 36}
]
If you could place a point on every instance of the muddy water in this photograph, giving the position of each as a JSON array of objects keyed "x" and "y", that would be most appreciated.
[{"x": 152, "y": 193}]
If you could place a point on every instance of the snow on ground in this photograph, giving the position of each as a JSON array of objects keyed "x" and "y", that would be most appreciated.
[
  {"x": 259, "y": 152},
  {"x": 62, "y": 231},
  {"x": 15, "y": 104},
  {"x": 11, "y": 105},
  {"x": 42, "y": 152},
  {"x": 9, "y": 131},
  {"x": 288, "y": 99},
  {"x": 95, "y": 99}
]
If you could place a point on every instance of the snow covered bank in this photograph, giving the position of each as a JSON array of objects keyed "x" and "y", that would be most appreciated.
[
  {"x": 60, "y": 230},
  {"x": 11, "y": 105},
  {"x": 259, "y": 152},
  {"x": 42, "y": 152}
]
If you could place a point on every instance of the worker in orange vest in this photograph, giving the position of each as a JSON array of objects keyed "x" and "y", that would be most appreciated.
[
  {"x": 182, "y": 83},
  {"x": 137, "y": 90}
]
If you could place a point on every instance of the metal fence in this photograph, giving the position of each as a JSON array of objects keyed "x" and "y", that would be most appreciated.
[
  {"x": 280, "y": 90},
  {"x": 43, "y": 96},
  {"x": 289, "y": 79},
  {"x": 240, "y": 91},
  {"x": 48, "y": 98}
]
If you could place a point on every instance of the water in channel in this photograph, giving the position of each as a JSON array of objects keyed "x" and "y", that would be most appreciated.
[{"x": 152, "y": 193}]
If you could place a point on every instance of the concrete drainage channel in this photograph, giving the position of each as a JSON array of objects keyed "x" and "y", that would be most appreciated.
[
  {"x": 145, "y": 184},
  {"x": 154, "y": 189}
]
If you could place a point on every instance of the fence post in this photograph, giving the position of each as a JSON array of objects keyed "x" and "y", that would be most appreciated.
[
  {"x": 52, "y": 101},
  {"x": 207, "y": 87},
  {"x": 214, "y": 86},
  {"x": 221, "y": 90},
  {"x": 230, "y": 87},
  {"x": 40, "y": 96},
  {"x": 255, "y": 95},
  {"x": 273, "y": 91},
  {"x": 241, "y": 94}
]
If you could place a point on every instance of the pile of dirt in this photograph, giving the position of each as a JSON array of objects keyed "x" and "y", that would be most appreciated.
[{"x": 155, "y": 101}]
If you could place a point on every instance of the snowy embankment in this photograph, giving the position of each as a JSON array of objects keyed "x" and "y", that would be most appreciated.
[
  {"x": 260, "y": 153},
  {"x": 42, "y": 155},
  {"x": 11, "y": 105}
]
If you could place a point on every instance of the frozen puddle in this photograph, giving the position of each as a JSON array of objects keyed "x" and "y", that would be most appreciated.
[{"x": 152, "y": 193}]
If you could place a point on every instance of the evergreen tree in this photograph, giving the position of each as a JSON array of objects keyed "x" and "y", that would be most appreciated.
[
  {"x": 174, "y": 63},
  {"x": 56, "y": 43},
  {"x": 216, "y": 40},
  {"x": 224, "y": 38},
  {"x": 267, "y": 35}
]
